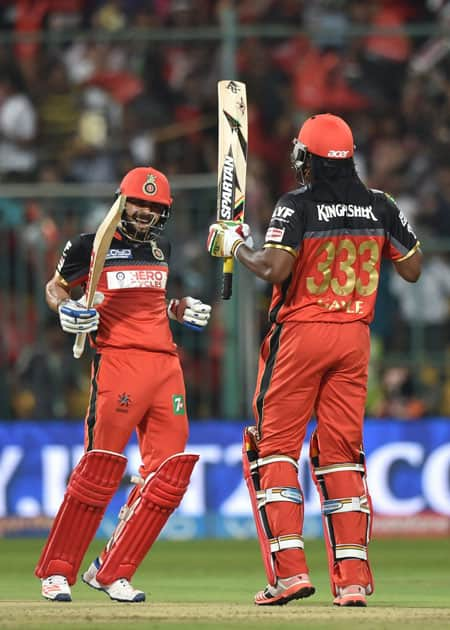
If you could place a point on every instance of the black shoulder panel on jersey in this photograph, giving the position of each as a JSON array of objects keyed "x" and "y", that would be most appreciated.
[
  {"x": 397, "y": 228},
  {"x": 297, "y": 195},
  {"x": 75, "y": 259}
]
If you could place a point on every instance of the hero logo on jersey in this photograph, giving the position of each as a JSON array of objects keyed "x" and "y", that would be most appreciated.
[
  {"x": 137, "y": 279},
  {"x": 275, "y": 234}
]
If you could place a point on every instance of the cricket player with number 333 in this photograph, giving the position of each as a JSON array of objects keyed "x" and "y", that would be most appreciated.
[
  {"x": 137, "y": 385},
  {"x": 322, "y": 253}
]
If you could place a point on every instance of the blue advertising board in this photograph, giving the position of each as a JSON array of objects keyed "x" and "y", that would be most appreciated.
[{"x": 408, "y": 475}]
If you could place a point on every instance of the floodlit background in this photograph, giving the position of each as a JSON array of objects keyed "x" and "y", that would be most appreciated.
[{"x": 90, "y": 89}]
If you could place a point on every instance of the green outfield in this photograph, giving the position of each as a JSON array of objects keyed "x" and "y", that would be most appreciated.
[{"x": 210, "y": 584}]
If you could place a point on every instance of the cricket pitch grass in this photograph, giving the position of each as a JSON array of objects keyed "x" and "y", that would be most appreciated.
[{"x": 211, "y": 583}]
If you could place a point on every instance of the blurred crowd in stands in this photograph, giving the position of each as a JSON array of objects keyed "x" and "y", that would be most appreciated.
[{"x": 86, "y": 93}]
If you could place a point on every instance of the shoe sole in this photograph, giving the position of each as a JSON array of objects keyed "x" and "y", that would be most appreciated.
[
  {"x": 59, "y": 598},
  {"x": 361, "y": 603},
  {"x": 96, "y": 588},
  {"x": 305, "y": 591},
  {"x": 137, "y": 600}
]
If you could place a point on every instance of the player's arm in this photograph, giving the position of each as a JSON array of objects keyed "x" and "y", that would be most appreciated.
[
  {"x": 403, "y": 246},
  {"x": 270, "y": 264},
  {"x": 56, "y": 291},
  {"x": 275, "y": 261},
  {"x": 72, "y": 270},
  {"x": 411, "y": 267}
]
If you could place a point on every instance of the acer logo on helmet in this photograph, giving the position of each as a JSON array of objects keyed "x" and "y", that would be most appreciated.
[
  {"x": 321, "y": 132},
  {"x": 337, "y": 154}
]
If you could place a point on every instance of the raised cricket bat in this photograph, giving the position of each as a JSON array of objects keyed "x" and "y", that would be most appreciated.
[
  {"x": 102, "y": 241},
  {"x": 232, "y": 162}
]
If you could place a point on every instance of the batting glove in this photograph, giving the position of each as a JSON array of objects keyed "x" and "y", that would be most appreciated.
[
  {"x": 224, "y": 239},
  {"x": 75, "y": 318},
  {"x": 189, "y": 312}
]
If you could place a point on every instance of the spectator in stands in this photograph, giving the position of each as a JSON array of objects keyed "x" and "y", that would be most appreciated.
[
  {"x": 83, "y": 109},
  {"x": 425, "y": 307},
  {"x": 401, "y": 398},
  {"x": 17, "y": 128},
  {"x": 45, "y": 376},
  {"x": 436, "y": 214},
  {"x": 58, "y": 109}
]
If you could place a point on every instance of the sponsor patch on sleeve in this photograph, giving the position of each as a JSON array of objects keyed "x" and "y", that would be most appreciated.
[{"x": 275, "y": 234}]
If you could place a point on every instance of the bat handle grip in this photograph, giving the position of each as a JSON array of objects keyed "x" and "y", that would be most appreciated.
[
  {"x": 227, "y": 286},
  {"x": 78, "y": 346}
]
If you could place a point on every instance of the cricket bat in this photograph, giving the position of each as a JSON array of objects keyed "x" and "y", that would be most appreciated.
[
  {"x": 100, "y": 247},
  {"x": 232, "y": 162}
]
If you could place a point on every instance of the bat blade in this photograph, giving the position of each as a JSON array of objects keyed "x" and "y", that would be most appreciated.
[
  {"x": 232, "y": 161},
  {"x": 100, "y": 247}
]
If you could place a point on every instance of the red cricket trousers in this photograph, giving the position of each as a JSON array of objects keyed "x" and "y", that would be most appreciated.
[
  {"x": 308, "y": 368},
  {"x": 142, "y": 391}
]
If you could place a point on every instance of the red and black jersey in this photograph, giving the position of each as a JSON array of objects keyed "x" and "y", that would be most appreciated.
[
  {"x": 338, "y": 248},
  {"x": 134, "y": 279}
]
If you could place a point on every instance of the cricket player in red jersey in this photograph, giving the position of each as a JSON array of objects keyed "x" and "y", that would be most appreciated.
[
  {"x": 322, "y": 252},
  {"x": 137, "y": 385}
]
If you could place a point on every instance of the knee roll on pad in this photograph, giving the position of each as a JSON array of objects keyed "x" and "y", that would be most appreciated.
[
  {"x": 142, "y": 520},
  {"x": 91, "y": 486},
  {"x": 259, "y": 498}
]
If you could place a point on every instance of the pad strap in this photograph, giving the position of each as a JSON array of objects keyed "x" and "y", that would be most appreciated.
[
  {"x": 271, "y": 495},
  {"x": 272, "y": 459},
  {"x": 345, "y": 552},
  {"x": 344, "y": 467},
  {"x": 291, "y": 541},
  {"x": 350, "y": 504}
]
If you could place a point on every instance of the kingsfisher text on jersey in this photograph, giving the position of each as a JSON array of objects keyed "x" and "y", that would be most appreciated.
[{"x": 326, "y": 211}]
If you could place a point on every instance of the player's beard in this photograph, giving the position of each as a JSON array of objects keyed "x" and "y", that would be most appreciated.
[
  {"x": 303, "y": 174},
  {"x": 139, "y": 226}
]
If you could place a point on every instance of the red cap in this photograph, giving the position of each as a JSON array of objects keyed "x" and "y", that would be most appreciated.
[
  {"x": 148, "y": 184},
  {"x": 328, "y": 136}
]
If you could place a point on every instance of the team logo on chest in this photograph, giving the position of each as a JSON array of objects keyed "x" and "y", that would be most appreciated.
[
  {"x": 150, "y": 187},
  {"x": 156, "y": 251}
]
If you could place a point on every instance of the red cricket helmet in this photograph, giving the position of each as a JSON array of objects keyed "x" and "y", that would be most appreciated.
[
  {"x": 147, "y": 184},
  {"x": 327, "y": 136}
]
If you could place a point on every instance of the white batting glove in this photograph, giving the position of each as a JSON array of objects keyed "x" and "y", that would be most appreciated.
[
  {"x": 190, "y": 312},
  {"x": 224, "y": 239},
  {"x": 75, "y": 318}
]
